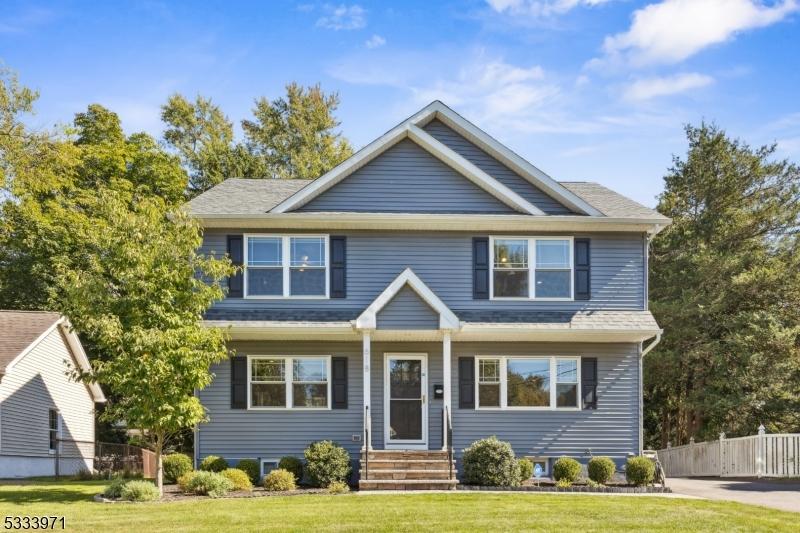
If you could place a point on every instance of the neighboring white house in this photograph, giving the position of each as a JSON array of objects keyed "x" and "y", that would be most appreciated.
[{"x": 44, "y": 413}]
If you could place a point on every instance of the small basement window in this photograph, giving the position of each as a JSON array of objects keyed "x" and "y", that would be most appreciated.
[{"x": 268, "y": 465}]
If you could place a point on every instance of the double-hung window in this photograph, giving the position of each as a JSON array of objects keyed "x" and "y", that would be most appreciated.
[
  {"x": 281, "y": 266},
  {"x": 54, "y": 429},
  {"x": 289, "y": 382},
  {"x": 527, "y": 382},
  {"x": 532, "y": 267}
]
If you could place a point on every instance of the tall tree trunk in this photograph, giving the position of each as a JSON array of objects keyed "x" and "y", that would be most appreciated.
[{"x": 159, "y": 447}]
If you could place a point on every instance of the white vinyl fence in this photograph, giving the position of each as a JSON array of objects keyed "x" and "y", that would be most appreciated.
[{"x": 759, "y": 455}]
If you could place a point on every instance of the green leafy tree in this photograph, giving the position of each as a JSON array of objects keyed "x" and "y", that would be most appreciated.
[
  {"x": 203, "y": 137},
  {"x": 296, "y": 136},
  {"x": 725, "y": 287}
]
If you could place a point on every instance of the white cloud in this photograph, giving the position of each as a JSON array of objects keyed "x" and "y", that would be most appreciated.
[
  {"x": 540, "y": 8},
  {"x": 376, "y": 41},
  {"x": 648, "y": 88},
  {"x": 673, "y": 30},
  {"x": 343, "y": 17}
]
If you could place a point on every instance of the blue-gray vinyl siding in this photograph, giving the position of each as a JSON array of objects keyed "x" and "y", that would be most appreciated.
[
  {"x": 444, "y": 262},
  {"x": 495, "y": 168},
  {"x": 610, "y": 430},
  {"x": 407, "y": 311},
  {"x": 407, "y": 179}
]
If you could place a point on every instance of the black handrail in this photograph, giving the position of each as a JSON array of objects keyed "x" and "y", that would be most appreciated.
[{"x": 366, "y": 441}]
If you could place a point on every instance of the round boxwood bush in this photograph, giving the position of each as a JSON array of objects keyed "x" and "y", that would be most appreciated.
[
  {"x": 175, "y": 465},
  {"x": 238, "y": 478},
  {"x": 293, "y": 465},
  {"x": 139, "y": 491},
  {"x": 338, "y": 487},
  {"x": 601, "y": 469},
  {"x": 326, "y": 462},
  {"x": 114, "y": 489},
  {"x": 251, "y": 468},
  {"x": 525, "y": 467},
  {"x": 203, "y": 482},
  {"x": 639, "y": 471},
  {"x": 279, "y": 480},
  {"x": 490, "y": 462},
  {"x": 566, "y": 469},
  {"x": 213, "y": 463}
]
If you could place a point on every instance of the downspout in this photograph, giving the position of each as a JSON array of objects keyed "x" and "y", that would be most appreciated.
[{"x": 642, "y": 353}]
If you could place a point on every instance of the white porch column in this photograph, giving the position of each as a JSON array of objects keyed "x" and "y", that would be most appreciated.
[
  {"x": 446, "y": 380},
  {"x": 367, "y": 407}
]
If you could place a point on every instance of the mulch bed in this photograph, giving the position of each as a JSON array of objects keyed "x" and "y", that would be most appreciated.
[{"x": 172, "y": 493}]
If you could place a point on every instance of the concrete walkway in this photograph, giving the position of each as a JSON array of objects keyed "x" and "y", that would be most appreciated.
[{"x": 783, "y": 495}]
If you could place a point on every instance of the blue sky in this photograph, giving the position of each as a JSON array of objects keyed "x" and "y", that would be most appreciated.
[{"x": 585, "y": 89}]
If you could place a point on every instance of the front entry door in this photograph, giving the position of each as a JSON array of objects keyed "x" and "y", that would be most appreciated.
[{"x": 405, "y": 385}]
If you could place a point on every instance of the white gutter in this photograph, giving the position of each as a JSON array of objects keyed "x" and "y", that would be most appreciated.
[{"x": 651, "y": 345}]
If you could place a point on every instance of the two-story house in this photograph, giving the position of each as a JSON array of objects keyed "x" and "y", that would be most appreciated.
[{"x": 433, "y": 289}]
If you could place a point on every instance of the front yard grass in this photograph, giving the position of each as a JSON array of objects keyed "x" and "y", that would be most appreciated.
[{"x": 382, "y": 512}]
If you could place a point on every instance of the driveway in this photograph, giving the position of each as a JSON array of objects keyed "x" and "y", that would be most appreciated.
[{"x": 784, "y": 495}]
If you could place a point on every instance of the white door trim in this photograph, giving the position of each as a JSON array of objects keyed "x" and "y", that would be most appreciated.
[{"x": 421, "y": 444}]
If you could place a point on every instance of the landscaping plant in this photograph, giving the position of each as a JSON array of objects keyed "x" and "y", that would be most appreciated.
[
  {"x": 252, "y": 468},
  {"x": 238, "y": 478},
  {"x": 492, "y": 463},
  {"x": 213, "y": 463},
  {"x": 114, "y": 489},
  {"x": 639, "y": 471},
  {"x": 326, "y": 462},
  {"x": 293, "y": 465},
  {"x": 566, "y": 469},
  {"x": 202, "y": 482},
  {"x": 139, "y": 491},
  {"x": 338, "y": 487},
  {"x": 601, "y": 469},
  {"x": 176, "y": 465},
  {"x": 525, "y": 467},
  {"x": 279, "y": 480}
]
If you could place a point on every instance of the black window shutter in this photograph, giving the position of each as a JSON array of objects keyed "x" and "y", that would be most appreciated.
[
  {"x": 238, "y": 382},
  {"x": 338, "y": 267},
  {"x": 589, "y": 382},
  {"x": 583, "y": 274},
  {"x": 339, "y": 382},
  {"x": 480, "y": 268},
  {"x": 236, "y": 253},
  {"x": 466, "y": 382}
]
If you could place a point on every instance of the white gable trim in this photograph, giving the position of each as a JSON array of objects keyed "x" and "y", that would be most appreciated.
[
  {"x": 368, "y": 319},
  {"x": 411, "y": 128}
]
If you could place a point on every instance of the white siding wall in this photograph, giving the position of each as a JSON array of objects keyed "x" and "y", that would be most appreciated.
[{"x": 37, "y": 383}]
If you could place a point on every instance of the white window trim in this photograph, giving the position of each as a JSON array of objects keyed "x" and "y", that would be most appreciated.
[
  {"x": 286, "y": 261},
  {"x": 261, "y": 465},
  {"x": 288, "y": 377},
  {"x": 540, "y": 459},
  {"x": 532, "y": 267},
  {"x": 504, "y": 382}
]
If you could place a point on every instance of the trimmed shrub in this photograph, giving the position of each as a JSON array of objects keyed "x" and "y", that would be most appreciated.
[
  {"x": 279, "y": 480},
  {"x": 326, "y": 462},
  {"x": 203, "y": 482},
  {"x": 139, "y": 491},
  {"x": 338, "y": 487},
  {"x": 238, "y": 478},
  {"x": 213, "y": 463},
  {"x": 525, "y": 467},
  {"x": 114, "y": 489},
  {"x": 639, "y": 471},
  {"x": 490, "y": 462},
  {"x": 601, "y": 469},
  {"x": 293, "y": 465},
  {"x": 566, "y": 469},
  {"x": 251, "y": 468},
  {"x": 563, "y": 483},
  {"x": 175, "y": 465}
]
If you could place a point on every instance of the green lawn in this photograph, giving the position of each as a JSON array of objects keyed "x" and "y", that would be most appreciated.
[{"x": 403, "y": 512}]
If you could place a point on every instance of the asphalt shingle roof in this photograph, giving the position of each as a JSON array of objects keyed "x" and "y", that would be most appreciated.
[
  {"x": 608, "y": 202},
  {"x": 18, "y": 329}
]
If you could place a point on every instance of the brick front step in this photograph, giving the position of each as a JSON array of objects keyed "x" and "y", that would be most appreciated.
[
  {"x": 407, "y": 464},
  {"x": 390, "y": 455},
  {"x": 407, "y": 484},
  {"x": 404, "y": 473}
]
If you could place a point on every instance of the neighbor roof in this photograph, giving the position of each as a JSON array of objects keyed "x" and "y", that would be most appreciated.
[
  {"x": 237, "y": 196},
  {"x": 19, "y": 329}
]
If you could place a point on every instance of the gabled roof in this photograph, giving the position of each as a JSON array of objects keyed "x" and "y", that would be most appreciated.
[
  {"x": 411, "y": 128},
  {"x": 245, "y": 196},
  {"x": 368, "y": 319},
  {"x": 22, "y": 331}
]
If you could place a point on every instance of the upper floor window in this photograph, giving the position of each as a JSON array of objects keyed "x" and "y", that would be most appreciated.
[
  {"x": 535, "y": 267},
  {"x": 54, "y": 429},
  {"x": 527, "y": 382},
  {"x": 289, "y": 382},
  {"x": 280, "y": 266}
]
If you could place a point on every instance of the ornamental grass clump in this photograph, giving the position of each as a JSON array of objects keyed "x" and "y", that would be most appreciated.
[
  {"x": 326, "y": 462},
  {"x": 567, "y": 470},
  {"x": 139, "y": 491},
  {"x": 601, "y": 469},
  {"x": 491, "y": 462},
  {"x": 175, "y": 465},
  {"x": 279, "y": 480},
  {"x": 639, "y": 471},
  {"x": 238, "y": 478},
  {"x": 204, "y": 483},
  {"x": 114, "y": 489}
]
